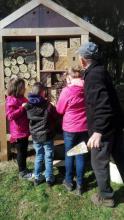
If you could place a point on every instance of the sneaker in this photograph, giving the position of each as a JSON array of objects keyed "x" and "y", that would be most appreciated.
[
  {"x": 79, "y": 190},
  {"x": 25, "y": 175},
  {"x": 50, "y": 183},
  {"x": 38, "y": 182},
  {"x": 68, "y": 186},
  {"x": 99, "y": 201}
]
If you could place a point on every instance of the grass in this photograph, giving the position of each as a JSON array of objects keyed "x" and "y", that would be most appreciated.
[{"x": 20, "y": 200}]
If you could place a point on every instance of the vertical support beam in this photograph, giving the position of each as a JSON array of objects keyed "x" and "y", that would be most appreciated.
[
  {"x": 3, "y": 136},
  {"x": 38, "y": 56},
  {"x": 84, "y": 38}
]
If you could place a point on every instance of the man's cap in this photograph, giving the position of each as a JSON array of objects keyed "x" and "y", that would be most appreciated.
[{"x": 89, "y": 50}]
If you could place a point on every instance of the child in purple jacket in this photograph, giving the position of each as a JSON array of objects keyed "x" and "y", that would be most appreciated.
[
  {"x": 71, "y": 105},
  {"x": 18, "y": 123}
]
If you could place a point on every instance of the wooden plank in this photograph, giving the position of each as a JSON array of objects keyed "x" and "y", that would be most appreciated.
[
  {"x": 3, "y": 141},
  {"x": 61, "y": 63},
  {"x": 38, "y": 56},
  {"x": 2, "y": 92},
  {"x": 71, "y": 31},
  {"x": 73, "y": 58}
]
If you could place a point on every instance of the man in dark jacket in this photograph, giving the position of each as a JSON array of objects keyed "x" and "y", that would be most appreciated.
[{"x": 104, "y": 117}]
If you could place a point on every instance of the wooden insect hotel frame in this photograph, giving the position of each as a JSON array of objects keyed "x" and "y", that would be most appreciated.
[{"x": 37, "y": 43}]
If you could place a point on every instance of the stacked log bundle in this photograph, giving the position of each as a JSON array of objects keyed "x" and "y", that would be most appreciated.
[{"x": 20, "y": 63}]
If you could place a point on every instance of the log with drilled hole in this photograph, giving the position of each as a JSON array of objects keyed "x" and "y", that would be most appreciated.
[
  {"x": 7, "y": 71},
  {"x": 27, "y": 75},
  {"x": 33, "y": 74},
  {"x": 13, "y": 62},
  {"x": 31, "y": 82},
  {"x": 20, "y": 60},
  {"x": 23, "y": 68},
  {"x": 7, "y": 62},
  {"x": 6, "y": 79},
  {"x": 31, "y": 66},
  {"x": 15, "y": 69}
]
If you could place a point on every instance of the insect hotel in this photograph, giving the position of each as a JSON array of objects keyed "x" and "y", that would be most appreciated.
[{"x": 38, "y": 43}]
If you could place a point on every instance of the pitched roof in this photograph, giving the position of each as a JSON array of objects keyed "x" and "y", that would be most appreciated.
[{"x": 62, "y": 11}]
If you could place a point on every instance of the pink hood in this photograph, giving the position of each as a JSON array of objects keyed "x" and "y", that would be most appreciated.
[
  {"x": 17, "y": 116},
  {"x": 71, "y": 105}
]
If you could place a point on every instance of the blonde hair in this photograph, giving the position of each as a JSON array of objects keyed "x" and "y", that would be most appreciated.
[{"x": 74, "y": 72}]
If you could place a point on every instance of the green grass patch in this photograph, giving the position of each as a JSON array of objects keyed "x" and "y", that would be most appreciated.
[{"x": 20, "y": 200}]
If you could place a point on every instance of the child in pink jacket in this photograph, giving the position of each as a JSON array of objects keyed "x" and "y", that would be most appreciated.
[
  {"x": 71, "y": 105},
  {"x": 18, "y": 122}
]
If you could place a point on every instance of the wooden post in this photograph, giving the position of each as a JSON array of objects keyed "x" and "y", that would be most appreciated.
[
  {"x": 38, "y": 56},
  {"x": 84, "y": 38},
  {"x": 3, "y": 136}
]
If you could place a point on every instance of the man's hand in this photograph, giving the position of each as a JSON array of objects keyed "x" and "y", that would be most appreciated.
[{"x": 94, "y": 140}]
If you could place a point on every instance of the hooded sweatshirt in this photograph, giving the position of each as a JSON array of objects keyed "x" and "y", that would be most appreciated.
[
  {"x": 40, "y": 114},
  {"x": 71, "y": 105}
]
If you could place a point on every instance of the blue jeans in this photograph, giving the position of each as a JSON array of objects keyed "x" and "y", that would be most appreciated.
[
  {"x": 44, "y": 151},
  {"x": 70, "y": 140}
]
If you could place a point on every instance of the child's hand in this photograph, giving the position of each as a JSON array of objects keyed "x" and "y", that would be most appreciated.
[
  {"x": 53, "y": 103},
  {"x": 24, "y": 104}
]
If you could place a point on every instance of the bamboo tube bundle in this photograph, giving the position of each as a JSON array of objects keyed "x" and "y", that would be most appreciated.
[
  {"x": 48, "y": 63},
  {"x": 61, "y": 48},
  {"x": 7, "y": 71},
  {"x": 75, "y": 43}
]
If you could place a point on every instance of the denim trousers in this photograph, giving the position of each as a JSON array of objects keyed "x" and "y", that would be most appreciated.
[
  {"x": 70, "y": 140},
  {"x": 44, "y": 151}
]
